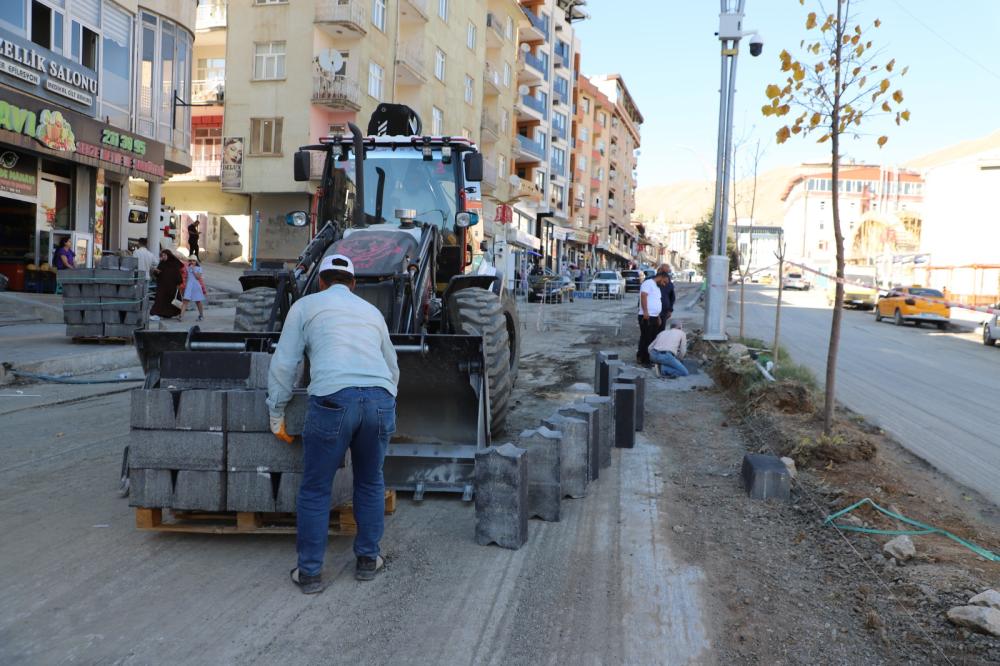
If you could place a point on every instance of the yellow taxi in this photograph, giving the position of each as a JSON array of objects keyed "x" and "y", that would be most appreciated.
[{"x": 914, "y": 304}]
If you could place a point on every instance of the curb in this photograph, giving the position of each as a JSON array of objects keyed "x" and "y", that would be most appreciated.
[{"x": 76, "y": 364}]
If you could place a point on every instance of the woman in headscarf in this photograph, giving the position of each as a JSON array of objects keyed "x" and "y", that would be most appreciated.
[{"x": 169, "y": 280}]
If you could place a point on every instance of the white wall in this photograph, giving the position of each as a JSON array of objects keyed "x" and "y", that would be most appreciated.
[{"x": 961, "y": 222}]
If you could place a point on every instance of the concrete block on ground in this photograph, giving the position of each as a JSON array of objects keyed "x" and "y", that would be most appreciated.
[
  {"x": 623, "y": 396},
  {"x": 134, "y": 319},
  {"x": 260, "y": 364},
  {"x": 606, "y": 426},
  {"x": 107, "y": 290},
  {"x": 150, "y": 488},
  {"x": 73, "y": 317},
  {"x": 177, "y": 449},
  {"x": 259, "y": 451},
  {"x": 544, "y": 466},
  {"x": 93, "y": 317},
  {"x": 639, "y": 380},
  {"x": 121, "y": 304},
  {"x": 295, "y": 412},
  {"x": 71, "y": 290},
  {"x": 199, "y": 491},
  {"x": 90, "y": 290},
  {"x": 201, "y": 409},
  {"x": 152, "y": 409},
  {"x": 502, "y": 496},
  {"x": 601, "y": 371},
  {"x": 289, "y": 482},
  {"x": 250, "y": 491},
  {"x": 246, "y": 411},
  {"x": 128, "y": 263},
  {"x": 109, "y": 261},
  {"x": 111, "y": 316},
  {"x": 85, "y": 330},
  {"x": 574, "y": 454},
  {"x": 591, "y": 416},
  {"x": 119, "y": 330},
  {"x": 765, "y": 477},
  {"x": 131, "y": 291}
]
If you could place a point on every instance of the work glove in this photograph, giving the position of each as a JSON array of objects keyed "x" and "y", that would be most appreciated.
[{"x": 278, "y": 428}]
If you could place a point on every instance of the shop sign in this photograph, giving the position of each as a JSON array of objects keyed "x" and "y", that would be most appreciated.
[
  {"x": 232, "y": 163},
  {"x": 99, "y": 214},
  {"x": 18, "y": 173},
  {"x": 47, "y": 74}
]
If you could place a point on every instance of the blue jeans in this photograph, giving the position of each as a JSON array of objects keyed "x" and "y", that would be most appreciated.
[
  {"x": 363, "y": 419},
  {"x": 670, "y": 365}
]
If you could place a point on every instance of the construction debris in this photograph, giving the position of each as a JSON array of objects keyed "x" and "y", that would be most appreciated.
[
  {"x": 900, "y": 548},
  {"x": 978, "y": 618}
]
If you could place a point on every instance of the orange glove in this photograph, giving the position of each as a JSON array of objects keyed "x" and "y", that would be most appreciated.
[{"x": 278, "y": 428}]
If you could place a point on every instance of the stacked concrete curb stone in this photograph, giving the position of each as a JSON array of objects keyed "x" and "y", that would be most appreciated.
[
  {"x": 544, "y": 466},
  {"x": 105, "y": 302},
  {"x": 502, "y": 496},
  {"x": 574, "y": 454}
]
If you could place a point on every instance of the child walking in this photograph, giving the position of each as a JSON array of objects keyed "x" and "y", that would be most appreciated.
[{"x": 194, "y": 288}]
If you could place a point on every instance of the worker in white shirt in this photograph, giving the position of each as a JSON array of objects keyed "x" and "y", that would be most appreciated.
[
  {"x": 353, "y": 375},
  {"x": 650, "y": 307},
  {"x": 668, "y": 349},
  {"x": 144, "y": 257}
]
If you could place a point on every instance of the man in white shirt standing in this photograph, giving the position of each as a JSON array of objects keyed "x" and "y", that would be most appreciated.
[
  {"x": 650, "y": 307},
  {"x": 668, "y": 349},
  {"x": 353, "y": 375},
  {"x": 145, "y": 258}
]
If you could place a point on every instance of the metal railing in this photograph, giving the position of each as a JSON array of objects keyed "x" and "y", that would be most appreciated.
[
  {"x": 210, "y": 15},
  {"x": 493, "y": 23},
  {"x": 491, "y": 76},
  {"x": 206, "y": 168},
  {"x": 350, "y": 12},
  {"x": 538, "y": 64},
  {"x": 533, "y": 102},
  {"x": 537, "y": 22},
  {"x": 339, "y": 91},
  {"x": 531, "y": 147},
  {"x": 209, "y": 90},
  {"x": 490, "y": 123}
]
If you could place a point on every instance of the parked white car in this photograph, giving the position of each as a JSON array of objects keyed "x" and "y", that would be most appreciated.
[
  {"x": 608, "y": 284},
  {"x": 795, "y": 281}
]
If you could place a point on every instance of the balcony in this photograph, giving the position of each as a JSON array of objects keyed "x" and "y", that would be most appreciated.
[
  {"x": 594, "y": 212},
  {"x": 533, "y": 28},
  {"x": 212, "y": 91},
  {"x": 489, "y": 182},
  {"x": 494, "y": 31},
  {"x": 558, "y": 132},
  {"x": 339, "y": 91},
  {"x": 206, "y": 169},
  {"x": 342, "y": 18},
  {"x": 492, "y": 81},
  {"x": 531, "y": 150},
  {"x": 534, "y": 103},
  {"x": 411, "y": 64},
  {"x": 413, "y": 11},
  {"x": 490, "y": 128},
  {"x": 527, "y": 190},
  {"x": 527, "y": 75},
  {"x": 211, "y": 15},
  {"x": 531, "y": 60}
]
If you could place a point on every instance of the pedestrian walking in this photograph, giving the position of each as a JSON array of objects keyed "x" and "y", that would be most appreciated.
[
  {"x": 667, "y": 296},
  {"x": 193, "y": 236},
  {"x": 667, "y": 350},
  {"x": 64, "y": 258},
  {"x": 145, "y": 258},
  {"x": 353, "y": 375},
  {"x": 169, "y": 276},
  {"x": 649, "y": 316},
  {"x": 193, "y": 289}
]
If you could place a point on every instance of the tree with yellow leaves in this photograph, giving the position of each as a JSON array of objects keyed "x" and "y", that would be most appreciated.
[{"x": 848, "y": 81}]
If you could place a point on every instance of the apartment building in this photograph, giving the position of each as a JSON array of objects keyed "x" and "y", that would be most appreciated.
[
  {"x": 302, "y": 72},
  {"x": 88, "y": 114}
]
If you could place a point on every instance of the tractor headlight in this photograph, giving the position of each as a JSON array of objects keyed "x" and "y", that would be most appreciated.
[
  {"x": 297, "y": 218},
  {"x": 463, "y": 220}
]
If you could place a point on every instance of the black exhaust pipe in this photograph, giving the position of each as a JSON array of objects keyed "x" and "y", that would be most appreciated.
[{"x": 359, "y": 176}]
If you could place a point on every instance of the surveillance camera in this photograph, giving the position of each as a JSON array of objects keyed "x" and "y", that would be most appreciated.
[{"x": 756, "y": 45}]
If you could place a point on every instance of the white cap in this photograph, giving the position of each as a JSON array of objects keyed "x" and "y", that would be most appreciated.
[{"x": 336, "y": 262}]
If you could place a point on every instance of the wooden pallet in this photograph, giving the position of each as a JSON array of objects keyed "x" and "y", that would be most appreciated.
[
  {"x": 101, "y": 340},
  {"x": 342, "y": 521}
]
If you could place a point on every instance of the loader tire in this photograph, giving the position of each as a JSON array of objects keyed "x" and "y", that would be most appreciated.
[
  {"x": 476, "y": 311},
  {"x": 253, "y": 309}
]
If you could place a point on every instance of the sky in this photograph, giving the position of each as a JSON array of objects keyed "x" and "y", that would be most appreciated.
[{"x": 668, "y": 54}]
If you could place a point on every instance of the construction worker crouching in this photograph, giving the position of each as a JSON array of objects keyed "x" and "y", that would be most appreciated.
[{"x": 352, "y": 403}]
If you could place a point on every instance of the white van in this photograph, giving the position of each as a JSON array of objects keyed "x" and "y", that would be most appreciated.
[{"x": 138, "y": 214}]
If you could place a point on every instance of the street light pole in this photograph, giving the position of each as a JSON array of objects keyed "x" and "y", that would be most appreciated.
[{"x": 717, "y": 269}]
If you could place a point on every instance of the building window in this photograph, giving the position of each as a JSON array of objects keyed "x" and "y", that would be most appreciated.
[
  {"x": 443, "y": 9},
  {"x": 265, "y": 136},
  {"x": 269, "y": 61},
  {"x": 602, "y": 119},
  {"x": 470, "y": 36},
  {"x": 206, "y": 151},
  {"x": 439, "y": 64},
  {"x": 559, "y": 123},
  {"x": 116, "y": 96},
  {"x": 467, "y": 133},
  {"x": 582, "y": 163},
  {"x": 508, "y": 29},
  {"x": 506, "y": 75},
  {"x": 504, "y": 121},
  {"x": 559, "y": 160},
  {"x": 469, "y": 89},
  {"x": 586, "y": 105},
  {"x": 562, "y": 87},
  {"x": 558, "y": 196},
  {"x": 376, "y": 76},
  {"x": 540, "y": 180},
  {"x": 12, "y": 16},
  {"x": 378, "y": 14},
  {"x": 437, "y": 121},
  {"x": 584, "y": 134}
]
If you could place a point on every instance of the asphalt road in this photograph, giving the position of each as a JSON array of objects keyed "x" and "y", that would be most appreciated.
[{"x": 937, "y": 392}]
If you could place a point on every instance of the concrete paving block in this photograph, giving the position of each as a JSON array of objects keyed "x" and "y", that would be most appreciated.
[
  {"x": 295, "y": 412},
  {"x": 93, "y": 317},
  {"x": 288, "y": 490},
  {"x": 108, "y": 290},
  {"x": 121, "y": 304},
  {"x": 128, "y": 263},
  {"x": 250, "y": 491},
  {"x": 72, "y": 317},
  {"x": 111, "y": 317},
  {"x": 131, "y": 291},
  {"x": 177, "y": 449},
  {"x": 591, "y": 416},
  {"x": 262, "y": 451},
  {"x": 624, "y": 404},
  {"x": 544, "y": 466},
  {"x": 600, "y": 368},
  {"x": 201, "y": 409},
  {"x": 150, "y": 488},
  {"x": 134, "y": 318},
  {"x": 81, "y": 303},
  {"x": 246, "y": 411},
  {"x": 574, "y": 454},
  {"x": 109, "y": 261},
  {"x": 71, "y": 290},
  {"x": 90, "y": 290},
  {"x": 84, "y": 330},
  {"x": 639, "y": 380},
  {"x": 502, "y": 496},
  {"x": 765, "y": 477},
  {"x": 199, "y": 491},
  {"x": 260, "y": 363},
  {"x": 152, "y": 409},
  {"x": 605, "y": 426},
  {"x": 119, "y": 330}
]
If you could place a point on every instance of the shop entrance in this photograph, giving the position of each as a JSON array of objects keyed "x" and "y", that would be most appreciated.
[{"x": 17, "y": 226}]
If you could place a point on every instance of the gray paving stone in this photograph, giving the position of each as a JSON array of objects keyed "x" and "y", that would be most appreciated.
[
  {"x": 72, "y": 317},
  {"x": 84, "y": 330},
  {"x": 295, "y": 412},
  {"x": 70, "y": 290},
  {"x": 119, "y": 330},
  {"x": 254, "y": 451},
  {"x": 502, "y": 496},
  {"x": 152, "y": 409},
  {"x": 765, "y": 477},
  {"x": 246, "y": 411},
  {"x": 624, "y": 405},
  {"x": 260, "y": 364},
  {"x": 109, "y": 261},
  {"x": 107, "y": 290},
  {"x": 150, "y": 488},
  {"x": 601, "y": 371},
  {"x": 639, "y": 381},
  {"x": 199, "y": 491},
  {"x": 128, "y": 263},
  {"x": 250, "y": 491},
  {"x": 590, "y": 415},
  {"x": 289, "y": 482},
  {"x": 574, "y": 454},
  {"x": 81, "y": 303},
  {"x": 606, "y": 426},
  {"x": 177, "y": 449},
  {"x": 93, "y": 317},
  {"x": 90, "y": 290},
  {"x": 544, "y": 466},
  {"x": 201, "y": 409}
]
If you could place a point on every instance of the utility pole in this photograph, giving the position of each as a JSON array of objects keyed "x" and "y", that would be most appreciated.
[{"x": 717, "y": 269}]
